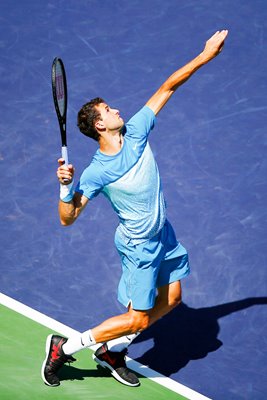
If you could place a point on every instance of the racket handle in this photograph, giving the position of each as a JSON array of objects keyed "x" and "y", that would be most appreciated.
[{"x": 64, "y": 153}]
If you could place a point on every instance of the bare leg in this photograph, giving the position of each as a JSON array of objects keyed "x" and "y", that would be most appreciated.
[
  {"x": 169, "y": 296},
  {"x": 131, "y": 322},
  {"x": 136, "y": 321}
]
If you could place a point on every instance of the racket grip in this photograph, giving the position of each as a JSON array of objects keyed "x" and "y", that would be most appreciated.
[{"x": 64, "y": 153}]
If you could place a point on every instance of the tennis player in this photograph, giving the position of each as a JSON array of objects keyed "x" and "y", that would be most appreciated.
[{"x": 153, "y": 261}]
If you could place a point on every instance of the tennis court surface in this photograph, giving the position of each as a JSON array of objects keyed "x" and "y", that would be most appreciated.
[
  {"x": 210, "y": 145},
  {"x": 22, "y": 341}
]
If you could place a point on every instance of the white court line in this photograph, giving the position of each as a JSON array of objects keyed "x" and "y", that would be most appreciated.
[{"x": 67, "y": 331}]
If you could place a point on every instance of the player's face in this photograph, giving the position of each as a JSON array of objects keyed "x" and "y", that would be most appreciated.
[{"x": 110, "y": 117}]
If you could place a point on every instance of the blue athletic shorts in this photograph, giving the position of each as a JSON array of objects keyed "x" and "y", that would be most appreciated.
[{"x": 148, "y": 266}]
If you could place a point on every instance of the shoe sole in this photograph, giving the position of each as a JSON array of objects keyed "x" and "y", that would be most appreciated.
[
  {"x": 113, "y": 372},
  {"x": 47, "y": 349}
]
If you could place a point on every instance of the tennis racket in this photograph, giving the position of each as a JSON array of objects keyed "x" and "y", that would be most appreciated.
[{"x": 59, "y": 88}]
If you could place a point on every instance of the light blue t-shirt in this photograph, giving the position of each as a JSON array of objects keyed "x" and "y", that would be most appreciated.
[{"x": 130, "y": 181}]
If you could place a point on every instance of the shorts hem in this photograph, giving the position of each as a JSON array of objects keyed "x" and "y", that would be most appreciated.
[
  {"x": 126, "y": 303},
  {"x": 178, "y": 278},
  {"x": 129, "y": 302}
]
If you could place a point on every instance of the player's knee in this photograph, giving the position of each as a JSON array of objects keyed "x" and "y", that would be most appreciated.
[
  {"x": 139, "y": 321},
  {"x": 175, "y": 294},
  {"x": 175, "y": 300}
]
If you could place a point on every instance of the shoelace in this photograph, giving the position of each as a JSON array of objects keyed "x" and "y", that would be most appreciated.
[{"x": 55, "y": 364}]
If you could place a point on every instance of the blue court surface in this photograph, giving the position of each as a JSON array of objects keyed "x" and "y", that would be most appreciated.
[{"x": 210, "y": 145}]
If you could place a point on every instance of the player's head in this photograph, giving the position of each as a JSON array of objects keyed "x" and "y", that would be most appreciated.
[
  {"x": 96, "y": 118},
  {"x": 87, "y": 118}
]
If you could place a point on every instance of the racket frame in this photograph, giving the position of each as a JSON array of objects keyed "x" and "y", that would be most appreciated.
[{"x": 62, "y": 116}]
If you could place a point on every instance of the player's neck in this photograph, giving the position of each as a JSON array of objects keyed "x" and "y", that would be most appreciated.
[{"x": 111, "y": 144}]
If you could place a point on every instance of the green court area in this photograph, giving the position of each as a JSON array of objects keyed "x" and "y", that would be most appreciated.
[{"x": 22, "y": 354}]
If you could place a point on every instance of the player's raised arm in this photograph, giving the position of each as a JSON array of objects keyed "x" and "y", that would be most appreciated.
[
  {"x": 212, "y": 48},
  {"x": 70, "y": 204}
]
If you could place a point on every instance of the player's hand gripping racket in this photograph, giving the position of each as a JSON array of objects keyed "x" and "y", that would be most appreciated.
[{"x": 59, "y": 87}]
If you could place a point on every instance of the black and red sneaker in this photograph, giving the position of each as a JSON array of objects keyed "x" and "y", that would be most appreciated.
[
  {"x": 55, "y": 358},
  {"x": 115, "y": 362}
]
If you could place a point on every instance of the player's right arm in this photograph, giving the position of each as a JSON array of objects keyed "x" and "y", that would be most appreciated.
[
  {"x": 70, "y": 210},
  {"x": 212, "y": 48}
]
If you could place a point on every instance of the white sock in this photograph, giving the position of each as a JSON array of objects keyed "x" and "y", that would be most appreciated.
[
  {"x": 121, "y": 343},
  {"x": 78, "y": 342}
]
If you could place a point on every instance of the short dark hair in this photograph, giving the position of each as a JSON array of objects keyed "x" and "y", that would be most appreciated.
[{"x": 87, "y": 117}]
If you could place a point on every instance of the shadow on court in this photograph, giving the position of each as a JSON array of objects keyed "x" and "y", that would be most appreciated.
[
  {"x": 192, "y": 333},
  {"x": 70, "y": 373}
]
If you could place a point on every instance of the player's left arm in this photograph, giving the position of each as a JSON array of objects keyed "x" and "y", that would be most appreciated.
[{"x": 212, "y": 48}]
